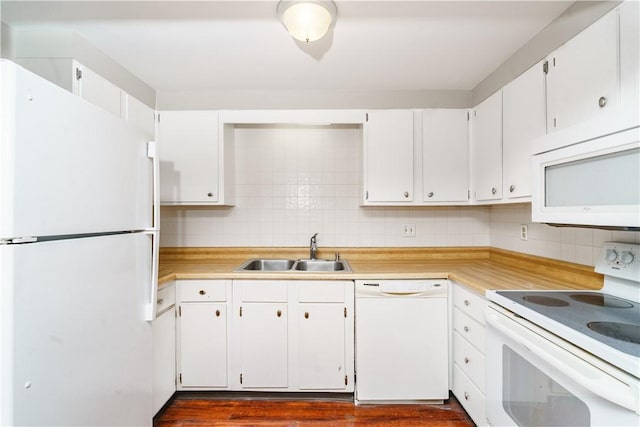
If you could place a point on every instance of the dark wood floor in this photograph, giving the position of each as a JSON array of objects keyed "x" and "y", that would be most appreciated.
[{"x": 216, "y": 409}]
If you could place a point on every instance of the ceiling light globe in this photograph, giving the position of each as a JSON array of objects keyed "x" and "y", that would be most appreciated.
[{"x": 307, "y": 21}]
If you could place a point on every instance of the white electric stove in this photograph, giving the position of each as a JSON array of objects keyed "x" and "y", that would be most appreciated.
[{"x": 575, "y": 355}]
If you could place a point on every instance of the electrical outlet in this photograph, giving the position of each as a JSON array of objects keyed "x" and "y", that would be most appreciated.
[
  {"x": 409, "y": 230},
  {"x": 524, "y": 232}
]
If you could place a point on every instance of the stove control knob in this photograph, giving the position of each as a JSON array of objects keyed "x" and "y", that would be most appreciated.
[
  {"x": 611, "y": 255},
  {"x": 626, "y": 258}
]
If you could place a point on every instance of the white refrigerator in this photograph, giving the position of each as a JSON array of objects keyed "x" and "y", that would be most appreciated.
[{"x": 78, "y": 259}]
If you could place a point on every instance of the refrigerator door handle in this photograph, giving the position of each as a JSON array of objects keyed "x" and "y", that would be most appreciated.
[
  {"x": 152, "y": 153},
  {"x": 150, "y": 308},
  {"x": 154, "y": 233}
]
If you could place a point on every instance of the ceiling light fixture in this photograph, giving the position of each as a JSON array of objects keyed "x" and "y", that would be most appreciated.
[{"x": 307, "y": 20}]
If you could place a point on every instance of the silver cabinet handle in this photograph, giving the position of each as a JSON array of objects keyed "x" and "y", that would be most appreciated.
[
  {"x": 466, "y": 360},
  {"x": 160, "y": 301},
  {"x": 602, "y": 102},
  {"x": 406, "y": 194},
  {"x": 466, "y": 329},
  {"x": 209, "y": 194},
  {"x": 494, "y": 190},
  {"x": 466, "y": 396},
  {"x": 202, "y": 292},
  {"x": 466, "y": 302},
  {"x": 512, "y": 188},
  {"x": 430, "y": 194}
]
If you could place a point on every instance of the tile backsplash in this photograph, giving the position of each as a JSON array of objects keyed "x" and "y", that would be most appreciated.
[{"x": 292, "y": 182}]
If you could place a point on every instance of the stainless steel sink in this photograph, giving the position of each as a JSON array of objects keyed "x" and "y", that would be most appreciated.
[
  {"x": 317, "y": 265},
  {"x": 267, "y": 265},
  {"x": 301, "y": 265}
]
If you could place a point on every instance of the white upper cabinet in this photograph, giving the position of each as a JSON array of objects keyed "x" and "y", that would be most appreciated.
[
  {"x": 583, "y": 76},
  {"x": 388, "y": 156},
  {"x": 96, "y": 89},
  {"x": 191, "y": 159},
  {"x": 487, "y": 148},
  {"x": 445, "y": 155},
  {"x": 630, "y": 60},
  {"x": 523, "y": 120}
]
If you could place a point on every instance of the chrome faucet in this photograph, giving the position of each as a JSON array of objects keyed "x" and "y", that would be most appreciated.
[{"x": 313, "y": 247}]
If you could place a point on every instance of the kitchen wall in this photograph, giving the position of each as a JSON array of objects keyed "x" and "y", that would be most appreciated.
[
  {"x": 579, "y": 245},
  {"x": 294, "y": 182}
]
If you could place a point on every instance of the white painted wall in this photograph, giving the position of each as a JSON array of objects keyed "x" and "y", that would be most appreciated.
[{"x": 579, "y": 245}]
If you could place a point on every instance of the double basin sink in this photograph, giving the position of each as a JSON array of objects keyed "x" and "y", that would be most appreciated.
[{"x": 300, "y": 265}]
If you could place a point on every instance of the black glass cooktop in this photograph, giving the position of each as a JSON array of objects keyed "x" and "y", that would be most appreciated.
[{"x": 606, "y": 318}]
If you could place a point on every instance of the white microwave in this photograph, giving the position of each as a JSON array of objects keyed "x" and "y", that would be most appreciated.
[{"x": 591, "y": 183}]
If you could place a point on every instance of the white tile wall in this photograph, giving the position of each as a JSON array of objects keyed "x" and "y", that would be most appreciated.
[
  {"x": 580, "y": 245},
  {"x": 292, "y": 182}
]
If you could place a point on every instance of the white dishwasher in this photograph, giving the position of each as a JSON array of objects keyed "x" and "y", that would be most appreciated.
[{"x": 401, "y": 341}]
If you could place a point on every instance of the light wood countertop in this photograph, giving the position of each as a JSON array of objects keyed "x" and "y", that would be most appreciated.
[{"x": 478, "y": 268}]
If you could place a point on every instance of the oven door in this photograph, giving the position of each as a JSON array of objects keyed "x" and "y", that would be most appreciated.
[{"x": 533, "y": 381}]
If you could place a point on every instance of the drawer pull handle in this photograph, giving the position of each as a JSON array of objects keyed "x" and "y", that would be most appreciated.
[
  {"x": 466, "y": 360},
  {"x": 217, "y": 313},
  {"x": 279, "y": 313},
  {"x": 209, "y": 194},
  {"x": 306, "y": 314},
  {"x": 406, "y": 194},
  {"x": 466, "y": 329},
  {"x": 466, "y": 396},
  {"x": 430, "y": 194},
  {"x": 160, "y": 301},
  {"x": 512, "y": 188},
  {"x": 494, "y": 190},
  {"x": 202, "y": 292},
  {"x": 466, "y": 302}
]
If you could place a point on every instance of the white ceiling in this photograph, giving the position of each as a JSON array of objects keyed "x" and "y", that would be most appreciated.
[{"x": 241, "y": 45}]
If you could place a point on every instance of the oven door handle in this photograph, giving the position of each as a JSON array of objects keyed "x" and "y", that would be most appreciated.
[{"x": 583, "y": 373}]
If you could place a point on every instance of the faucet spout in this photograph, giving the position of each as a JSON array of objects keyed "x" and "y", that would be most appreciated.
[{"x": 313, "y": 247}]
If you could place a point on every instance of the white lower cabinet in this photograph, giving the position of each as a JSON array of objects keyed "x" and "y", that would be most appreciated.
[
  {"x": 321, "y": 346},
  {"x": 202, "y": 334},
  {"x": 292, "y": 336},
  {"x": 264, "y": 336},
  {"x": 468, "y": 362},
  {"x": 164, "y": 347}
]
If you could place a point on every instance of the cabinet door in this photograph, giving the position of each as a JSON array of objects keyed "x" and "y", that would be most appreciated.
[
  {"x": 188, "y": 149},
  {"x": 96, "y": 89},
  {"x": 164, "y": 358},
  {"x": 445, "y": 155},
  {"x": 264, "y": 348},
  {"x": 321, "y": 346},
  {"x": 524, "y": 120},
  {"x": 488, "y": 148},
  {"x": 583, "y": 75},
  {"x": 203, "y": 344},
  {"x": 389, "y": 156}
]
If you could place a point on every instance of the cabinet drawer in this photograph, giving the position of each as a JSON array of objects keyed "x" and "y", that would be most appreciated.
[
  {"x": 469, "y": 329},
  {"x": 166, "y": 298},
  {"x": 321, "y": 291},
  {"x": 260, "y": 291},
  {"x": 469, "y": 302},
  {"x": 202, "y": 290},
  {"x": 469, "y": 396},
  {"x": 469, "y": 360}
]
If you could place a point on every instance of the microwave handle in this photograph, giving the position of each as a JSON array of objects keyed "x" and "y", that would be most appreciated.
[{"x": 583, "y": 373}]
